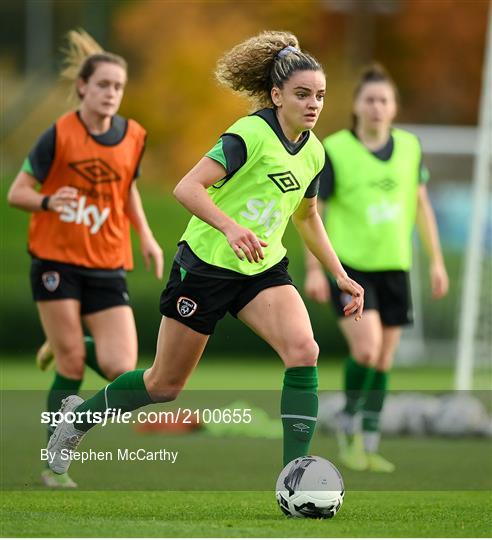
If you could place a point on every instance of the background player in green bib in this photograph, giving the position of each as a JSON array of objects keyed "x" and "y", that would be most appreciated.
[
  {"x": 263, "y": 171},
  {"x": 374, "y": 186}
]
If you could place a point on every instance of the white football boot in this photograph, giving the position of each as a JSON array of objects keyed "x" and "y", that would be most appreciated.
[{"x": 65, "y": 438}]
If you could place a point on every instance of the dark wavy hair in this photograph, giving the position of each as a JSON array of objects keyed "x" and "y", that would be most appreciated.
[{"x": 371, "y": 74}]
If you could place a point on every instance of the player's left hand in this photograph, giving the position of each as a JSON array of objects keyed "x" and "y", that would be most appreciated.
[
  {"x": 439, "y": 280},
  {"x": 152, "y": 250},
  {"x": 356, "y": 305}
]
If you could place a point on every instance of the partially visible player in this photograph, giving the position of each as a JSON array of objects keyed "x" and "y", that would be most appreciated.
[
  {"x": 263, "y": 171},
  {"x": 85, "y": 166},
  {"x": 372, "y": 191}
]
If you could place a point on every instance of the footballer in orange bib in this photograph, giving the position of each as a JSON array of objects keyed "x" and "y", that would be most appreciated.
[
  {"x": 78, "y": 182},
  {"x": 92, "y": 231}
]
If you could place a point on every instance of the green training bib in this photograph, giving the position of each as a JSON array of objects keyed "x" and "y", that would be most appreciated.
[
  {"x": 371, "y": 215},
  {"x": 262, "y": 196}
]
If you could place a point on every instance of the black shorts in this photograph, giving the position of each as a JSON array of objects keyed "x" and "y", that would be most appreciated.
[
  {"x": 200, "y": 302},
  {"x": 387, "y": 292},
  {"x": 95, "y": 289}
]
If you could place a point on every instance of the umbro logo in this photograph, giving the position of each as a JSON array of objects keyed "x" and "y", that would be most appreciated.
[
  {"x": 285, "y": 181},
  {"x": 386, "y": 184},
  {"x": 95, "y": 170},
  {"x": 300, "y": 427}
]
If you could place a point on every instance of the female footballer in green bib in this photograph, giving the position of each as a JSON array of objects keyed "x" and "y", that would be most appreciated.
[
  {"x": 372, "y": 191},
  {"x": 263, "y": 171}
]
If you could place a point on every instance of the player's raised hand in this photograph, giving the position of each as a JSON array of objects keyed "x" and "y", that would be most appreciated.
[
  {"x": 63, "y": 196},
  {"x": 151, "y": 250},
  {"x": 245, "y": 243},
  {"x": 356, "y": 305},
  {"x": 316, "y": 286}
]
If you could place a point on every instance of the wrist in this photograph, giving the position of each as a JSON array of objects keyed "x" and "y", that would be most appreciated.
[
  {"x": 340, "y": 275},
  {"x": 45, "y": 201},
  {"x": 145, "y": 234},
  {"x": 225, "y": 225}
]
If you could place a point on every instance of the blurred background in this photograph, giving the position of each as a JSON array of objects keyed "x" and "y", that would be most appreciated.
[{"x": 435, "y": 51}]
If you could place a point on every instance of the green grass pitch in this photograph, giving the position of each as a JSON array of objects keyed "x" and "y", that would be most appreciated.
[
  {"x": 28, "y": 510},
  {"x": 242, "y": 514}
]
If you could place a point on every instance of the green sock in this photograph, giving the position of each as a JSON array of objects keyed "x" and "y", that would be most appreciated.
[
  {"x": 299, "y": 410},
  {"x": 91, "y": 358},
  {"x": 373, "y": 405},
  {"x": 126, "y": 393},
  {"x": 357, "y": 379},
  {"x": 61, "y": 388}
]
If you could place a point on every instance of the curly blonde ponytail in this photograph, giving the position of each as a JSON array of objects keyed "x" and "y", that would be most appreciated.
[{"x": 255, "y": 66}]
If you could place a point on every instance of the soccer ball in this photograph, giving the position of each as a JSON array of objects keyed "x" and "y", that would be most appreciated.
[{"x": 310, "y": 486}]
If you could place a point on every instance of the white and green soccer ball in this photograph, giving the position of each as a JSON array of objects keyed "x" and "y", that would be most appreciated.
[{"x": 310, "y": 487}]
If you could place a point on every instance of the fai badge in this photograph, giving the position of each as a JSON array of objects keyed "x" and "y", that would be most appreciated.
[
  {"x": 186, "y": 307},
  {"x": 51, "y": 280}
]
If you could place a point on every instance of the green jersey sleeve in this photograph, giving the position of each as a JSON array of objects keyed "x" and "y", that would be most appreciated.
[
  {"x": 27, "y": 167},
  {"x": 40, "y": 158},
  {"x": 230, "y": 152},
  {"x": 424, "y": 174},
  {"x": 217, "y": 153}
]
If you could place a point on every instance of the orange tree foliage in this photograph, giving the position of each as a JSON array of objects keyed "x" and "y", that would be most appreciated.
[
  {"x": 433, "y": 48},
  {"x": 172, "y": 48}
]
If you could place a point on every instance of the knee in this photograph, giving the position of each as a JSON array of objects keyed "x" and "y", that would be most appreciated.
[
  {"x": 303, "y": 352},
  {"x": 384, "y": 362},
  {"x": 114, "y": 361},
  {"x": 366, "y": 355},
  {"x": 70, "y": 363},
  {"x": 112, "y": 371}
]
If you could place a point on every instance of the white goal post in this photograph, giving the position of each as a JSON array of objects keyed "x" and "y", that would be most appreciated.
[{"x": 471, "y": 300}]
